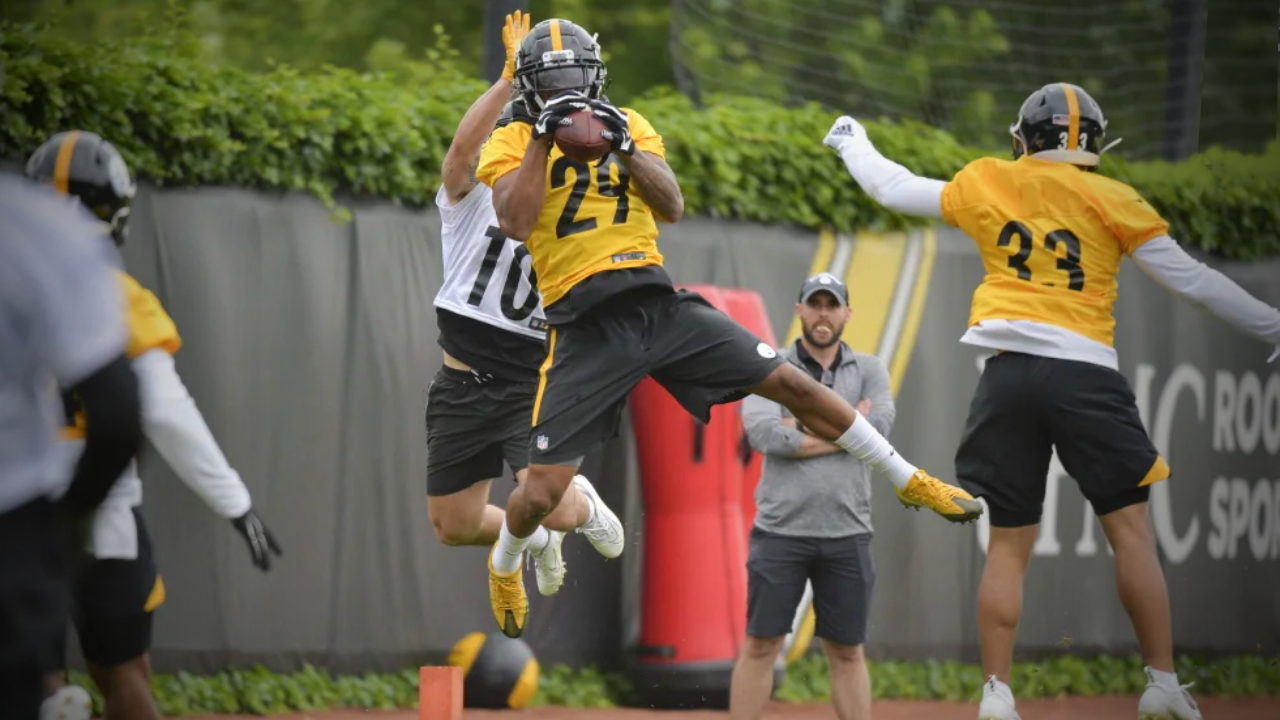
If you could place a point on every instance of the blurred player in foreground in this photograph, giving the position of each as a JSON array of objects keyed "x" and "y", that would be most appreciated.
[
  {"x": 615, "y": 316},
  {"x": 117, "y": 587},
  {"x": 61, "y": 325},
  {"x": 1052, "y": 233},
  {"x": 493, "y": 333}
]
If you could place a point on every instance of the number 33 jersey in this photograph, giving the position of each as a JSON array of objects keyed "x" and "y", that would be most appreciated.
[
  {"x": 592, "y": 219},
  {"x": 1051, "y": 237}
]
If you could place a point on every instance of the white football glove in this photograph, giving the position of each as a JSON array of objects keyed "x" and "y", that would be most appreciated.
[
  {"x": 557, "y": 112},
  {"x": 843, "y": 131},
  {"x": 617, "y": 127}
]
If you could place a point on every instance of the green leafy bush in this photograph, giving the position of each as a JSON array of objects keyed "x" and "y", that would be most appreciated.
[
  {"x": 183, "y": 123},
  {"x": 1241, "y": 676},
  {"x": 260, "y": 691}
]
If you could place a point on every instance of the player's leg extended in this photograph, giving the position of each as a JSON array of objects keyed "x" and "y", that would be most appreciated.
[
  {"x": 1140, "y": 582},
  {"x": 1141, "y": 585},
  {"x": 465, "y": 517},
  {"x": 1000, "y": 596},
  {"x": 528, "y": 506},
  {"x": 830, "y": 417},
  {"x": 999, "y": 610}
]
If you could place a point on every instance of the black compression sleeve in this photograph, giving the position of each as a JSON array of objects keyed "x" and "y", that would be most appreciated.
[{"x": 113, "y": 432}]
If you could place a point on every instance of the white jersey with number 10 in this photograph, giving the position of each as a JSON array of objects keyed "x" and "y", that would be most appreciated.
[{"x": 487, "y": 276}]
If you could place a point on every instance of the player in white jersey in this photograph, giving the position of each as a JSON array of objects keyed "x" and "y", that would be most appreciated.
[
  {"x": 60, "y": 325},
  {"x": 492, "y": 331},
  {"x": 1052, "y": 234},
  {"x": 117, "y": 586}
]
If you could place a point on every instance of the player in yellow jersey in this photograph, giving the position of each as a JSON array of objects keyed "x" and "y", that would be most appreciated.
[
  {"x": 1052, "y": 234},
  {"x": 614, "y": 316},
  {"x": 117, "y": 586}
]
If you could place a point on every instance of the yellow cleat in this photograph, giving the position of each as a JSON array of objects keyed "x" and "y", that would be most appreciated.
[
  {"x": 508, "y": 600},
  {"x": 949, "y": 501}
]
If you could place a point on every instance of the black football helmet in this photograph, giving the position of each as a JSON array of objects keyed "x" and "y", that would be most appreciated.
[
  {"x": 86, "y": 167},
  {"x": 558, "y": 56},
  {"x": 1060, "y": 121}
]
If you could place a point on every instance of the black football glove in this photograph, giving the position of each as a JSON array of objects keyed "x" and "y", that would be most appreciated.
[
  {"x": 556, "y": 112},
  {"x": 617, "y": 128},
  {"x": 261, "y": 542}
]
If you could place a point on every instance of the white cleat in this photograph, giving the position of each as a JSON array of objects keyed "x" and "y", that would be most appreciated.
[
  {"x": 70, "y": 702},
  {"x": 1163, "y": 702},
  {"x": 603, "y": 529},
  {"x": 548, "y": 564},
  {"x": 997, "y": 702}
]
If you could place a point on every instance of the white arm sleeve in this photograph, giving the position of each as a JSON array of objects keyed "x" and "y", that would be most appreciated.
[
  {"x": 1169, "y": 265},
  {"x": 890, "y": 184},
  {"x": 174, "y": 425}
]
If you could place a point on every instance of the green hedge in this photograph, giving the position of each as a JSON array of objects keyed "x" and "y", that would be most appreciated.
[
  {"x": 259, "y": 691},
  {"x": 182, "y": 123}
]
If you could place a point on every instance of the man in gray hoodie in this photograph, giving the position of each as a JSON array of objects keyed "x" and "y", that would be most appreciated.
[{"x": 813, "y": 519}]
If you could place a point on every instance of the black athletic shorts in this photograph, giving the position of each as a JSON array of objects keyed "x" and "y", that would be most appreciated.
[
  {"x": 841, "y": 571},
  {"x": 113, "y": 602},
  {"x": 35, "y": 560},
  {"x": 700, "y": 355},
  {"x": 475, "y": 422},
  {"x": 1024, "y": 408}
]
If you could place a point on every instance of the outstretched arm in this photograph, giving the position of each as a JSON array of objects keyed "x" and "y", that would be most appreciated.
[
  {"x": 458, "y": 171},
  {"x": 1169, "y": 265},
  {"x": 887, "y": 182},
  {"x": 174, "y": 425}
]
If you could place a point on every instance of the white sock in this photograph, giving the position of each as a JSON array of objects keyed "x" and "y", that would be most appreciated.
[
  {"x": 996, "y": 687},
  {"x": 508, "y": 551},
  {"x": 1164, "y": 679},
  {"x": 539, "y": 540},
  {"x": 862, "y": 441}
]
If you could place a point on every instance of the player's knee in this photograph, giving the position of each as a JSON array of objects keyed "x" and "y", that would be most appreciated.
[
  {"x": 844, "y": 654},
  {"x": 762, "y": 648},
  {"x": 542, "y": 498},
  {"x": 452, "y": 532}
]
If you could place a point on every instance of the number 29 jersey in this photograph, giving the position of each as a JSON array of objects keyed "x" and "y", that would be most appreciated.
[
  {"x": 592, "y": 219},
  {"x": 1051, "y": 237}
]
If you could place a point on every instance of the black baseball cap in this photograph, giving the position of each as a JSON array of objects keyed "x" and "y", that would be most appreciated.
[{"x": 825, "y": 282}]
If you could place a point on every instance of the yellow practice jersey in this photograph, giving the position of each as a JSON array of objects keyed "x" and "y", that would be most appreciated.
[
  {"x": 149, "y": 328},
  {"x": 592, "y": 219},
  {"x": 1051, "y": 238}
]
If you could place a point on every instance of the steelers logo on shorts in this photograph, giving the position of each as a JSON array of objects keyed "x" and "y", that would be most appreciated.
[{"x": 766, "y": 351}]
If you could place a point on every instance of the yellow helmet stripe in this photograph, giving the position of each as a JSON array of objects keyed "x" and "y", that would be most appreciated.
[
  {"x": 1073, "y": 108},
  {"x": 556, "y": 42},
  {"x": 62, "y": 165}
]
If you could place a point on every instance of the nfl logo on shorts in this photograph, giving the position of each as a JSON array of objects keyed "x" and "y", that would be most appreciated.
[{"x": 542, "y": 442}]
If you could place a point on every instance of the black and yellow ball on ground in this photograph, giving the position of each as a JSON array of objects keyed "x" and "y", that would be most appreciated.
[{"x": 498, "y": 671}]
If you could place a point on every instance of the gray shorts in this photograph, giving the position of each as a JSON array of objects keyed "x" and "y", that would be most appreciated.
[{"x": 842, "y": 573}]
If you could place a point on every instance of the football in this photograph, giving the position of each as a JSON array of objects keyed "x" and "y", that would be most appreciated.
[{"x": 581, "y": 141}]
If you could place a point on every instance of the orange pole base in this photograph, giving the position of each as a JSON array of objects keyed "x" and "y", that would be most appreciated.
[{"x": 439, "y": 693}]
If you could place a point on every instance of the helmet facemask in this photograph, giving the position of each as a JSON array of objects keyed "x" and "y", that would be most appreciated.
[{"x": 544, "y": 70}]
